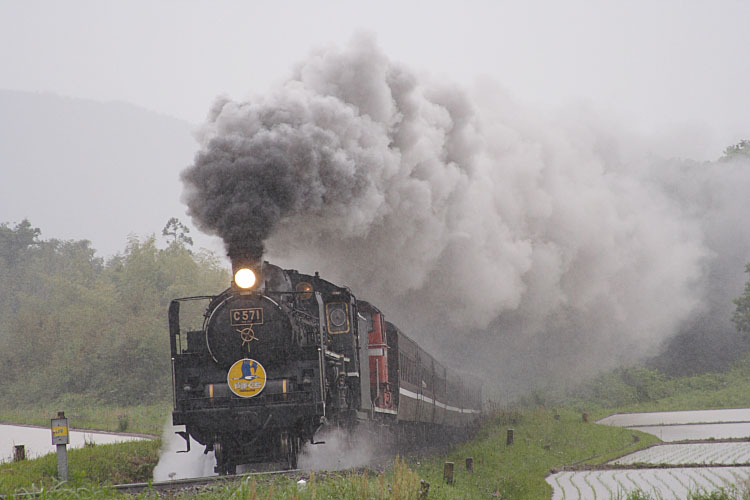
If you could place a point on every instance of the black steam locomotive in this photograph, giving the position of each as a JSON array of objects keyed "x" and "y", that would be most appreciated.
[{"x": 282, "y": 353}]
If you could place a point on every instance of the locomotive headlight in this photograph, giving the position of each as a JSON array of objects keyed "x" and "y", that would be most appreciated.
[
  {"x": 305, "y": 290},
  {"x": 244, "y": 278}
]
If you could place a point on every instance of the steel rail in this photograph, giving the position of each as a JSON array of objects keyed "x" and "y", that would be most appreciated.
[{"x": 180, "y": 484}]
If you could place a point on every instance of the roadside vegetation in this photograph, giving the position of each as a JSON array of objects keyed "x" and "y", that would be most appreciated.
[
  {"x": 89, "y": 467},
  {"x": 87, "y": 336}
]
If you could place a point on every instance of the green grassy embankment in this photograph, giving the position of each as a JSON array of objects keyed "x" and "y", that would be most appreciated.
[
  {"x": 89, "y": 467},
  {"x": 93, "y": 465},
  {"x": 542, "y": 442},
  {"x": 82, "y": 413},
  {"x": 516, "y": 472},
  {"x": 639, "y": 390}
]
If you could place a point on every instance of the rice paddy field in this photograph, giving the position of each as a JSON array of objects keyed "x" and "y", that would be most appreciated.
[
  {"x": 724, "y": 453},
  {"x": 661, "y": 484},
  {"x": 668, "y": 471}
]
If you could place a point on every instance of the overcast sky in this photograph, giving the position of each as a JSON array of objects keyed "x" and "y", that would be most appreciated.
[{"x": 675, "y": 72}]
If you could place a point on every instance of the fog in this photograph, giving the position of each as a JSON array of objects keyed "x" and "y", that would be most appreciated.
[
  {"x": 676, "y": 72},
  {"x": 519, "y": 245}
]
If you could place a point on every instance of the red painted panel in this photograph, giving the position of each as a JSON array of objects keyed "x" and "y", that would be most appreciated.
[{"x": 379, "y": 382}]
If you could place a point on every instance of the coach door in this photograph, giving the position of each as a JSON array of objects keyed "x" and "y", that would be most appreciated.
[{"x": 431, "y": 388}]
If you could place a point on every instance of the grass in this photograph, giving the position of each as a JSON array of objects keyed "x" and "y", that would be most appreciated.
[
  {"x": 400, "y": 483},
  {"x": 89, "y": 467},
  {"x": 637, "y": 389},
  {"x": 83, "y": 413},
  {"x": 542, "y": 442},
  {"x": 641, "y": 390}
]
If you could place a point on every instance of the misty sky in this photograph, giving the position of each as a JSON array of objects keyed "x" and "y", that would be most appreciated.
[
  {"x": 530, "y": 139},
  {"x": 674, "y": 72}
]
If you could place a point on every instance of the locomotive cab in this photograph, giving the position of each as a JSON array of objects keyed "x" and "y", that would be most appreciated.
[{"x": 382, "y": 368}]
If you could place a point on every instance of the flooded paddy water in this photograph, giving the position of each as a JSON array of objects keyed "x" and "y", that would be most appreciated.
[
  {"x": 712, "y": 465},
  {"x": 678, "y": 417},
  {"x": 38, "y": 440}
]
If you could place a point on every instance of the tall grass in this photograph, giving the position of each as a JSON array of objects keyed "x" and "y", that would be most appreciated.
[
  {"x": 90, "y": 466},
  {"x": 400, "y": 483}
]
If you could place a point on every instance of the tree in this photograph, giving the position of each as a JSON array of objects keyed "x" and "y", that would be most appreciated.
[
  {"x": 741, "y": 316},
  {"x": 737, "y": 151},
  {"x": 178, "y": 231},
  {"x": 14, "y": 242},
  {"x": 17, "y": 246},
  {"x": 80, "y": 325}
]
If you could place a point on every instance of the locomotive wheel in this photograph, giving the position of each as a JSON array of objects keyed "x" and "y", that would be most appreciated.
[
  {"x": 222, "y": 468},
  {"x": 290, "y": 445}
]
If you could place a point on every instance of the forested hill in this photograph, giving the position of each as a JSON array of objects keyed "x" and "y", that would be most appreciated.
[{"x": 73, "y": 323}]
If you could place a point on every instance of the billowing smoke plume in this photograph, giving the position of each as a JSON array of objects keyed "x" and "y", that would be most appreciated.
[{"x": 514, "y": 245}]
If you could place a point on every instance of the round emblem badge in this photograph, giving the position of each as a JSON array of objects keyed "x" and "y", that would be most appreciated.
[{"x": 246, "y": 378}]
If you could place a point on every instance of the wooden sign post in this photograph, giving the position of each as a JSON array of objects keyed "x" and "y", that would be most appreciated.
[{"x": 448, "y": 472}]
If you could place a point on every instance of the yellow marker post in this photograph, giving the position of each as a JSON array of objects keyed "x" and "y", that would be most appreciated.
[{"x": 61, "y": 438}]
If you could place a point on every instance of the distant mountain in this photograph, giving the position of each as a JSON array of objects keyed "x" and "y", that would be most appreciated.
[{"x": 81, "y": 169}]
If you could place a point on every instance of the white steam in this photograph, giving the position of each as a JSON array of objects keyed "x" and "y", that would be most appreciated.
[
  {"x": 512, "y": 243},
  {"x": 173, "y": 465},
  {"x": 340, "y": 450}
]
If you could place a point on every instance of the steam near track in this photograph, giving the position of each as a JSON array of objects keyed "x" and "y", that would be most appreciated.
[{"x": 520, "y": 246}]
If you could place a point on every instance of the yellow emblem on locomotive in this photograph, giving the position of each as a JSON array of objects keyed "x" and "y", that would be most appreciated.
[{"x": 246, "y": 378}]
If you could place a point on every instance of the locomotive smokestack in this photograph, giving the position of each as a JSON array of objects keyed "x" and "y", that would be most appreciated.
[{"x": 245, "y": 256}]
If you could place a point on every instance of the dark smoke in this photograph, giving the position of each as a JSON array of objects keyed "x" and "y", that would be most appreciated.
[
  {"x": 297, "y": 154},
  {"x": 517, "y": 246}
]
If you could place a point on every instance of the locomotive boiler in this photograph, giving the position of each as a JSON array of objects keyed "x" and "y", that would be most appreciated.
[{"x": 281, "y": 354}]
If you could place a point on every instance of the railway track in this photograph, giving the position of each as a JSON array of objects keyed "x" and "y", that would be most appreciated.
[
  {"x": 174, "y": 485},
  {"x": 377, "y": 463},
  {"x": 202, "y": 482}
]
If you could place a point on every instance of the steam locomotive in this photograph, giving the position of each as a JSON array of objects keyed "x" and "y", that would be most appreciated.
[{"x": 281, "y": 354}]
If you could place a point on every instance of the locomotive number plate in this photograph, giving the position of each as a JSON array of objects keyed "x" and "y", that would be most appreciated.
[{"x": 246, "y": 317}]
